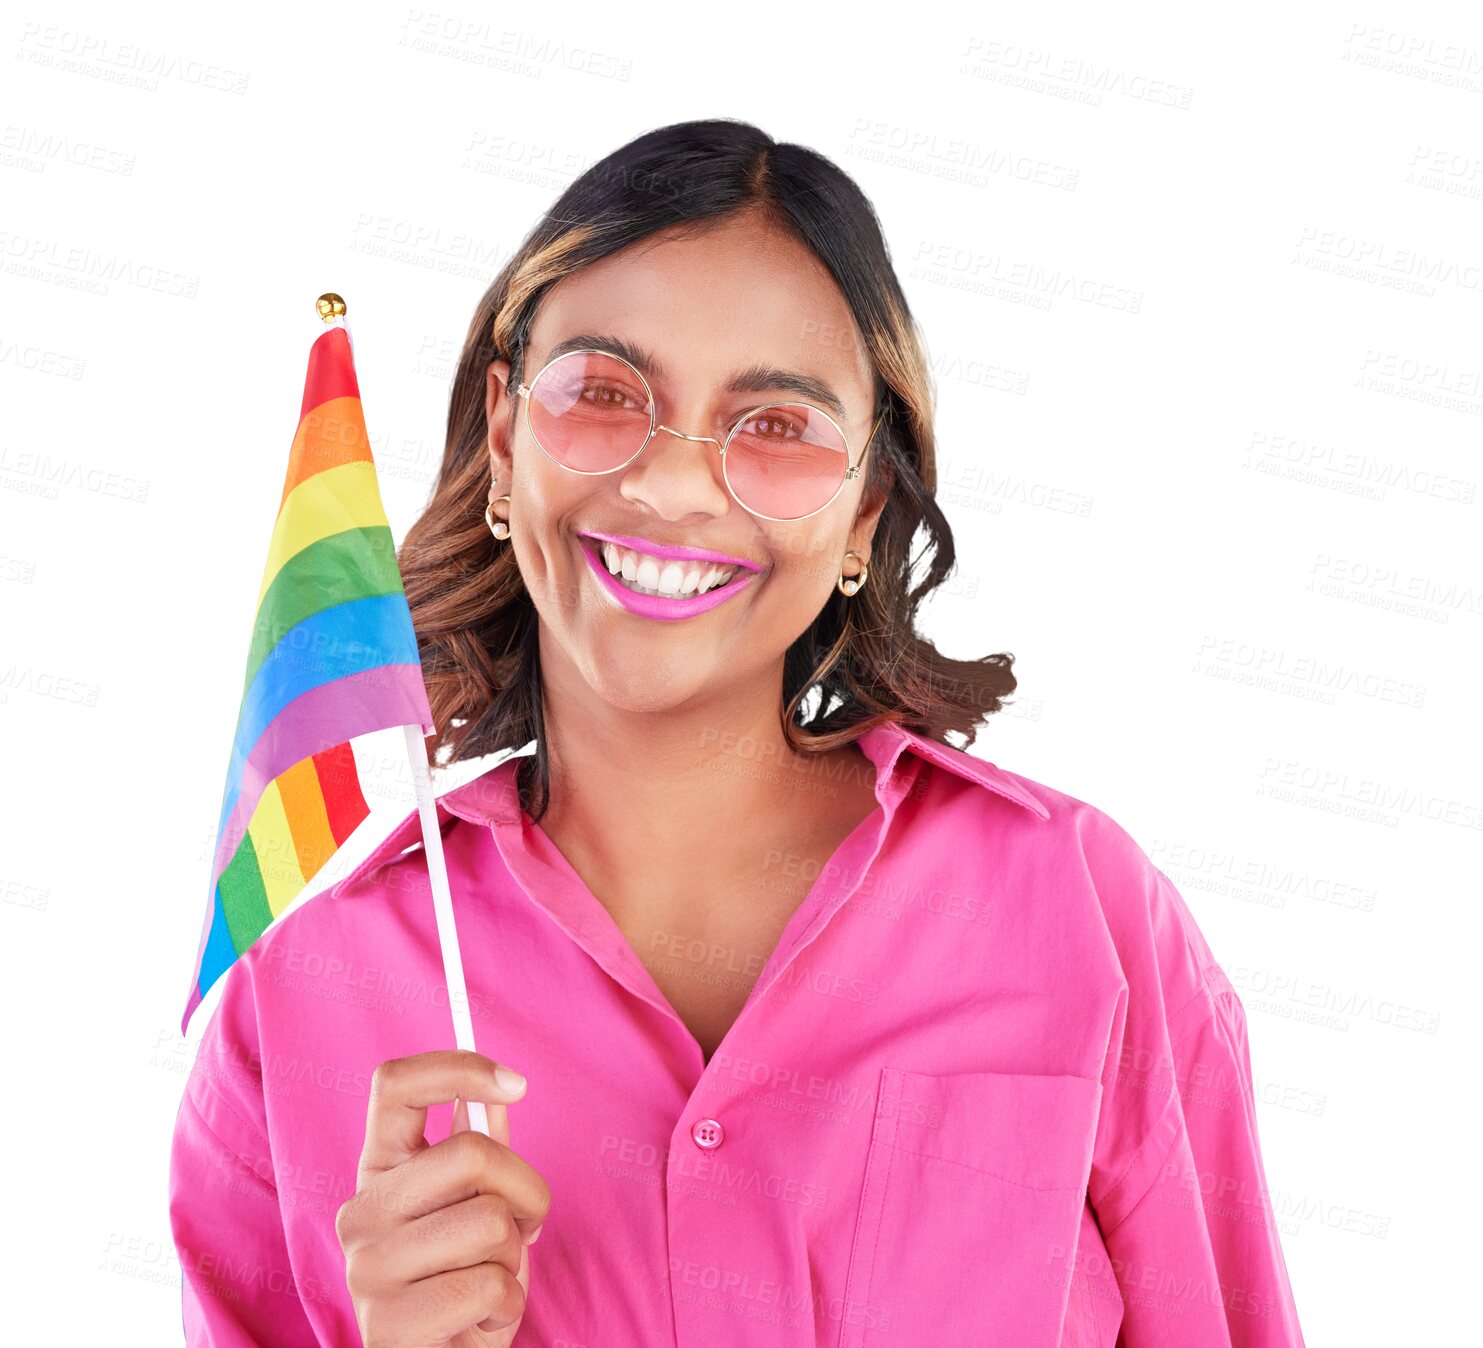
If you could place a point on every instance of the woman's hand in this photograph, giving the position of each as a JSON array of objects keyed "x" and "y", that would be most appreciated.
[{"x": 435, "y": 1237}]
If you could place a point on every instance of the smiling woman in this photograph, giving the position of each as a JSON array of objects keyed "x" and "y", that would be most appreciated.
[
  {"x": 684, "y": 287},
  {"x": 834, "y": 1033}
]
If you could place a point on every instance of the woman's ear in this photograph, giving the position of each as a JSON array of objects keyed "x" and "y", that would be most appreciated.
[
  {"x": 497, "y": 419},
  {"x": 862, "y": 531}
]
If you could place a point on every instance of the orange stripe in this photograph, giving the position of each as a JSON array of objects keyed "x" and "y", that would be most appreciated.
[
  {"x": 303, "y": 803},
  {"x": 334, "y": 433}
]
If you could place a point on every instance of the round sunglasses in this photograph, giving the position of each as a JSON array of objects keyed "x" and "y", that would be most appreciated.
[{"x": 593, "y": 412}]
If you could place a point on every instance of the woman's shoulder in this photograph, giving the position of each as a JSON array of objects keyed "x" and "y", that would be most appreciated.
[
  {"x": 1048, "y": 817},
  {"x": 1070, "y": 846}
]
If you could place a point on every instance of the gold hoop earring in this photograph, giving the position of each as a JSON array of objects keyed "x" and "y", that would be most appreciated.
[
  {"x": 499, "y": 528},
  {"x": 848, "y": 585}
]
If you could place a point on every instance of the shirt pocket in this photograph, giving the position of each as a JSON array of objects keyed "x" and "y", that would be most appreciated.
[{"x": 969, "y": 1214}]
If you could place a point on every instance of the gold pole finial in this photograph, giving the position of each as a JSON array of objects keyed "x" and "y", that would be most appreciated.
[{"x": 330, "y": 306}]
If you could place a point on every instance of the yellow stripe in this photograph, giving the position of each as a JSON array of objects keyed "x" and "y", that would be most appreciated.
[
  {"x": 277, "y": 857},
  {"x": 327, "y": 503}
]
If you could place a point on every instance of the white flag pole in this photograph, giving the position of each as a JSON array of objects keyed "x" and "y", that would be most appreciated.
[
  {"x": 332, "y": 314},
  {"x": 437, "y": 871}
]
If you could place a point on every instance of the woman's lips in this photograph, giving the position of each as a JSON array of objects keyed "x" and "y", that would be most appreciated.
[
  {"x": 663, "y": 552},
  {"x": 659, "y": 606}
]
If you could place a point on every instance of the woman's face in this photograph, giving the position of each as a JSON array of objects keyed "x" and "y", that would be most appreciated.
[{"x": 706, "y": 308}]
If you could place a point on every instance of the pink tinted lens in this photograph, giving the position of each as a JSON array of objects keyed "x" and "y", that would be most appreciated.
[
  {"x": 786, "y": 461},
  {"x": 589, "y": 411}
]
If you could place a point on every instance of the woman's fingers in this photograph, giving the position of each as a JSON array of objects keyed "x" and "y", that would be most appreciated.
[
  {"x": 498, "y": 1320},
  {"x": 497, "y": 1116},
  {"x": 440, "y": 1306},
  {"x": 435, "y": 1237},
  {"x": 460, "y": 1167},
  {"x": 478, "y": 1230},
  {"x": 402, "y": 1091}
]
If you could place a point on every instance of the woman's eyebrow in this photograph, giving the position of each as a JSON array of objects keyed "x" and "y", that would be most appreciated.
[
  {"x": 758, "y": 378},
  {"x": 761, "y": 378}
]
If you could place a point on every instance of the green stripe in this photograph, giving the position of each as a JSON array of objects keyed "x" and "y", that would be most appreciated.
[
  {"x": 243, "y": 899},
  {"x": 353, "y": 564}
]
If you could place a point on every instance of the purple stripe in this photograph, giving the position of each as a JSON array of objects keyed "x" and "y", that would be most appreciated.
[{"x": 374, "y": 699}]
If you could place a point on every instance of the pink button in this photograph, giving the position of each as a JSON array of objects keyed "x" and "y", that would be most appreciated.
[{"x": 707, "y": 1133}]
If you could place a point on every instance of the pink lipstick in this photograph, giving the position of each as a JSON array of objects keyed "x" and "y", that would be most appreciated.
[{"x": 658, "y": 606}]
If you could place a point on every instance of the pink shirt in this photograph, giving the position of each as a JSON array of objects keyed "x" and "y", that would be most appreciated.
[{"x": 991, "y": 1088}]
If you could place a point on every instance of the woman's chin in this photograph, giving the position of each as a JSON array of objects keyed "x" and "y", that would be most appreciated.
[
  {"x": 639, "y": 698},
  {"x": 640, "y": 680}
]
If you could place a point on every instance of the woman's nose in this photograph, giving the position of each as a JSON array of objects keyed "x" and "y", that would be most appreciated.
[{"x": 678, "y": 474}]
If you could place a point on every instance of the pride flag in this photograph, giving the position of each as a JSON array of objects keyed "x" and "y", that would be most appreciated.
[{"x": 333, "y": 655}]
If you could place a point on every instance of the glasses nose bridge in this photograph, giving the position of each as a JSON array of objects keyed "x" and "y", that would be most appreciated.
[{"x": 681, "y": 434}]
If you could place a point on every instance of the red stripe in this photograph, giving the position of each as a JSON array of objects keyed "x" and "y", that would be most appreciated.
[
  {"x": 344, "y": 804},
  {"x": 331, "y": 371}
]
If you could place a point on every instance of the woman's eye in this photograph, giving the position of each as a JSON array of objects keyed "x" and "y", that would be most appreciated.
[
  {"x": 772, "y": 426},
  {"x": 609, "y": 397}
]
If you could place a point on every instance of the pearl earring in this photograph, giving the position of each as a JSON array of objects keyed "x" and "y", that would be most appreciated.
[{"x": 848, "y": 585}]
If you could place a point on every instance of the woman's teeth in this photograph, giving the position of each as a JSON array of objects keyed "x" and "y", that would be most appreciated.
[{"x": 653, "y": 575}]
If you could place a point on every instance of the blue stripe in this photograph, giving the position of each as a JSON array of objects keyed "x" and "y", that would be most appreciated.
[
  {"x": 219, "y": 955},
  {"x": 346, "y": 639}
]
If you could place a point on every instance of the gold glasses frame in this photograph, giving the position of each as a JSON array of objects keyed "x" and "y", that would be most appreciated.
[{"x": 852, "y": 471}]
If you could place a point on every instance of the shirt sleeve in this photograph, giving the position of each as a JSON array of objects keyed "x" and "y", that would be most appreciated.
[
  {"x": 237, "y": 1283},
  {"x": 1179, "y": 1188}
]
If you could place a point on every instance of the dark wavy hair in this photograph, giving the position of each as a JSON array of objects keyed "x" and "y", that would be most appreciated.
[{"x": 861, "y": 662}]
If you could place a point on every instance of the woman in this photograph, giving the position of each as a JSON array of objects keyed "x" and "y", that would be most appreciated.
[{"x": 833, "y": 1032}]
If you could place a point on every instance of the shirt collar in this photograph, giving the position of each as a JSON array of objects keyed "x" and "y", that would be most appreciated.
[
  {"x": 883, "y": 744},
  {"x": 492, "y": 796}
]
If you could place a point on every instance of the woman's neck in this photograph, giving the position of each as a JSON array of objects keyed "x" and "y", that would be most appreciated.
[{"x": 680, "y": 799}]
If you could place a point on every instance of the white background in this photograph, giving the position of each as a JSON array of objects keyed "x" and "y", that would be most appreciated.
[{"x": 1201, "y": 291}]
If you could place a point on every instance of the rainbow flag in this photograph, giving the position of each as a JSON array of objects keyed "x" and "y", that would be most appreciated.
[{"x": 333, "y": 655}]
